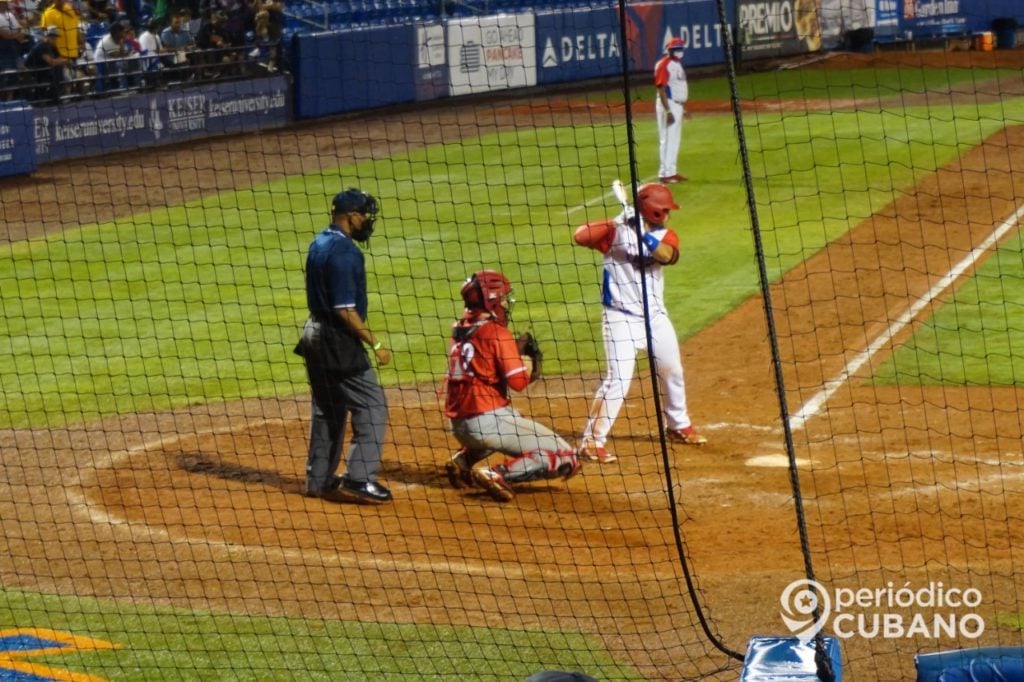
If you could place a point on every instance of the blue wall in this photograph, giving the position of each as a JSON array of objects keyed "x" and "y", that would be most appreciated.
[
  {"x": 17, "y": 148},
  {"x": 341, "y": 71},
  {"x": 362, "y": 68}
]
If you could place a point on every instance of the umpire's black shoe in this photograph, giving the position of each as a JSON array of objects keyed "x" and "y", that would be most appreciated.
[{"x": 364, "y": 491}]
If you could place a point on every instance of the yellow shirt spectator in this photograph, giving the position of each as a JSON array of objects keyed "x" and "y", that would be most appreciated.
[{"x": 65, "y": 18}]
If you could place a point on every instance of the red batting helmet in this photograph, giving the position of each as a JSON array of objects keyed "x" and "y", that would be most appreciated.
[
  {"x": 655, "y": 201},
  {"x": 489, "y": 290},
  {"x": 675, "y": 44}
]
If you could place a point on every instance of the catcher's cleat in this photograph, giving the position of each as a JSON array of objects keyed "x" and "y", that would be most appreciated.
[
  {"x": 569, "y": 470},
  {"x": 687, "y": 436},
  {"x": 595, "y": 453},
  {"x": 460, "y": 474},
  {"x": 494, "y": 483}
]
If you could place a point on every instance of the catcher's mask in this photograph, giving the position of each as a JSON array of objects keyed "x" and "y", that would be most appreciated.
[
  {"x": 353, "y": 200},
  {"x": 491, "y": 291},
  {"x": 655, "y": 201}
]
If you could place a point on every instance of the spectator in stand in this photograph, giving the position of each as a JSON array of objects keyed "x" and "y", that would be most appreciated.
[
  {"x": 213, "y": 40},
  {"x": 111, "y": 46},
  {"x": 132, "y": 54},
  {"x": 27, "y": 12},
  {"x": 13, "y": 39},
  {"x": 109, "y": 59},
  {"x": 178, "y": 43},
  {"x": 131, "y": 40},
  {"x": 269, "y": 28},
  {"x": 62, "y": 16},
  {"x": 130, "y": 11},
  {"x": 99, "y": 10},
  {"x": 47, "y": 66},
  {"x": 150, "y": 47},
  {"x": 239, "y": 17},
  {"x": 212, "y": 34}
]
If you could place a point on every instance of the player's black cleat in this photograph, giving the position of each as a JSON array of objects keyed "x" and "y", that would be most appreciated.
[{"x": 364, "y": 491}]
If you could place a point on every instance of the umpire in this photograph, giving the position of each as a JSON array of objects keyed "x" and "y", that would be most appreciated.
[{"x": 341, "y": 378}]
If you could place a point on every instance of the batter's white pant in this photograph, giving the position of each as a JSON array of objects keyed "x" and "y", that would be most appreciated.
[
  {"x": 624, "y": 335},
  {"x": 669, "y": 137}
]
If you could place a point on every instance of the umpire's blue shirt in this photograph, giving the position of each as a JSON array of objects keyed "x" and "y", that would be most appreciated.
[{"x": 335, "y": 275}]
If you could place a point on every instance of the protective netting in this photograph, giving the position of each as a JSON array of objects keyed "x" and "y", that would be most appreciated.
[
  {"x": 889, "y": 199},
  {"x": 155, "y": 420}
]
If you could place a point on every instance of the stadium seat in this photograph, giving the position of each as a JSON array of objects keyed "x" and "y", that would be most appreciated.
[{"x": 94, "y": 32}]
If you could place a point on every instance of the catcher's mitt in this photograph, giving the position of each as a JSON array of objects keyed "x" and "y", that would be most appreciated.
[{"x": 529, "y": 347}]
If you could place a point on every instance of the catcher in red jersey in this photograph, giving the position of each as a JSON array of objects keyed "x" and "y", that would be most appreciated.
[{"x": 485, "y": 362}]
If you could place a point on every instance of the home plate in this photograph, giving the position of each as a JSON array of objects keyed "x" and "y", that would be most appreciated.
[{"x": 778, "y": 461}]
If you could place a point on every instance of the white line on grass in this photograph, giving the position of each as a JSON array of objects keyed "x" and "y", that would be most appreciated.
[
  {"x": 600, "y": 199},
  {"x": 812, "y": 406}
]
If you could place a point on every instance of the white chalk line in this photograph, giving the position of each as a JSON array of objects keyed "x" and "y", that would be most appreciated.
[
  {"x": 814, "y": 405},
  {"x": 103, "y": 517},
  {"x": 601, "y": 199},
  {"x": 276, "y": 553}
]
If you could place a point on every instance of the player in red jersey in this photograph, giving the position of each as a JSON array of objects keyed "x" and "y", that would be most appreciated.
[{"x": 484, "y": 364}]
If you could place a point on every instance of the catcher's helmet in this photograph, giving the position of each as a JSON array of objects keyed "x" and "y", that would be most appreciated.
[
  {"x": 675, "y": 44},
  {"x": 489, "y": 290},
  {"x": 655, "y": 201}
]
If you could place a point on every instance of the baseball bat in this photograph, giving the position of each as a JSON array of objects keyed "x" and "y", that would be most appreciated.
[{"x": 619, "y": 190}]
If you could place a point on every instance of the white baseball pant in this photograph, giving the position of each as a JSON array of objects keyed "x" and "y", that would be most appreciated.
[
  {"x": 669, "y": 137},
  {"x": 624, "y": 335}
]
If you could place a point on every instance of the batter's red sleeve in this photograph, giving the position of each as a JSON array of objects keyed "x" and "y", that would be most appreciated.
[
  {"x": 597, "y": 235},
  {"x": 672, "y": 239}
]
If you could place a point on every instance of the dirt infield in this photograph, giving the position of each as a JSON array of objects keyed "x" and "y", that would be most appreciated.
[{"x": 202, "y": 508}]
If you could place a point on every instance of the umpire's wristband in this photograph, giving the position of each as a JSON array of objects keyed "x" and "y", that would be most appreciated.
[{"x": 377, "y": 346}]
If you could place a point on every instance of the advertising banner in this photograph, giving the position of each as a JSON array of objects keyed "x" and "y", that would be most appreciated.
[
  {"x": 651, "y": 25},
  {"x": 431, "y": 62},
  {"x": 887, "y": 14},
  {"x": 577, "y": 45},
  {"x": 17, "y": 153},
  {"x": 491, "y": 53},
  {"x": 774, "y": 28},
  {"x": 148, "y": 119},
  {"x": 923, "y": 18}
]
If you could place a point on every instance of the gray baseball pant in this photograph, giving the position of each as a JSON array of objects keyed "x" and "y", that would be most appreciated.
[
  {"x": 334, "y": 400},
  {"x": 540, "y": 452}
]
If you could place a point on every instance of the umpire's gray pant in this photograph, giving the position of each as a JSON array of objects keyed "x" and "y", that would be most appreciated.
[{"x": 334, "y": 399}]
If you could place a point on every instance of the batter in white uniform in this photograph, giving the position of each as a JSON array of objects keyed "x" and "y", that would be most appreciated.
[
  {"x": 673, "y": 91},
  {"x": 623, "y": 325}
]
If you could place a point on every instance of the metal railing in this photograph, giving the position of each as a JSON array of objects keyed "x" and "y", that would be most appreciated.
[
  {"x": 316, "y": 14},
  {"x": 91, "y": 79}
]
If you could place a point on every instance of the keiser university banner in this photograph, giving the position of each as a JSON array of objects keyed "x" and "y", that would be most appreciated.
[{"x": 156, "y": 118}]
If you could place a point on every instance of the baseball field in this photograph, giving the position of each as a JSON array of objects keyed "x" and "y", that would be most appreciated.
[{"x": 154, "y": 419}]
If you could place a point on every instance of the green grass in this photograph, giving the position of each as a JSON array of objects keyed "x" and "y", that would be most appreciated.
[
  {"x": 165, "y": 643},
  {"x": 839, "y": 84},
  {"x": 976, "y": 338},
  {"x": 202, "y": 302}
]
